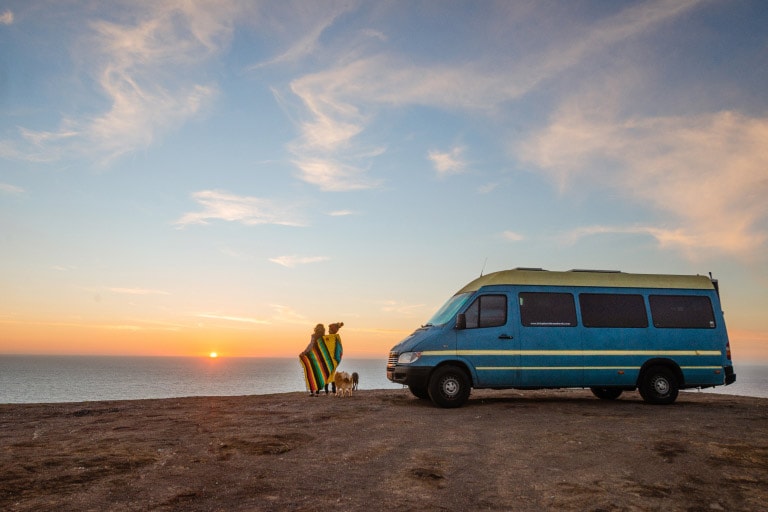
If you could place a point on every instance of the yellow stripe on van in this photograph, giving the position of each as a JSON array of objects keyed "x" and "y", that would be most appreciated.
[
  {"x": 572, "y": 353},
  {"x": 547, "y": 368}
]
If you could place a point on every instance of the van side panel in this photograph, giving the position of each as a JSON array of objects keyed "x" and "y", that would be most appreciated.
[
  {"x": 613, "y": 356},
  {"x": 491, "y": 353},
  {"x": 588, "y": 355},
  {"x": 549, "y": 354},
  {"x": 550, "y": 350}
]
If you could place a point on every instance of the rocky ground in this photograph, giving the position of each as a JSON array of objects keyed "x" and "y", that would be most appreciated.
[{"x": 386, "y": 450}]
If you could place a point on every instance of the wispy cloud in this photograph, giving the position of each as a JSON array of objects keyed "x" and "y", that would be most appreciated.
[
  {"x": 220, "y": 205},
  {"x": 7, "y": 188},
  {"x": 331, "y": 174},
  {"x": 287, "y": 315},
  {"x": 709, "y": 173},
  {"x": 448, "y": 162},
  {"x": 401, "y": 308},
  {"x": 512, "y": 236},
  {"x": 138, "y": 291},
  {"x": 638, "y": 19},
  {"x": 487, "y": 188},
  {"x": 230, "y": 318},
  {"x": 309, "y": 20},
  {"x": 148, "y": 67},
  {"x": 340, "y": 103},
  {"x": 294, "y": 261},
  {"x": 665, "y": 237},
  {"x": 6, "y": 18},
  {"x": 341, "y": 213}
]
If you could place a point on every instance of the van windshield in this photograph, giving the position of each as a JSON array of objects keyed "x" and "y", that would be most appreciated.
[{"x": 449, "y": 309}]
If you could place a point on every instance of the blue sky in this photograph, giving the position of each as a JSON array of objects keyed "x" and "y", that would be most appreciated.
[{"x": 178, "y": 177}]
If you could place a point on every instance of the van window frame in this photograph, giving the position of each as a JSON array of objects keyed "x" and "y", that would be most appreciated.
[
  {"x": 660, "y": 322},
  {"x": 479, "y": 303},
  {"x": 562, "y": 318},
  {"x": 594, "y": 319}
]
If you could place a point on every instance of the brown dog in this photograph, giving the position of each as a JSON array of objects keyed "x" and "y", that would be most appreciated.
[{"x": 343, "y": 383}]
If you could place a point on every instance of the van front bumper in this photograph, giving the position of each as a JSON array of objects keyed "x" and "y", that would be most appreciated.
[{"x": 417, "y": 376}]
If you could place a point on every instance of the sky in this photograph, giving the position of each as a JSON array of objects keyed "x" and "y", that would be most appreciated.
[{"x": 180, "y": 177}]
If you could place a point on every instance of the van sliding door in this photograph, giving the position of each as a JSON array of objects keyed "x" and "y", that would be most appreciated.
[{"x": 550, "y": 342}]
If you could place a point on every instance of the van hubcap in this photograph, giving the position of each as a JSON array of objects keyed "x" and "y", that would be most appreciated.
[
  {"x": 451, "y": 387},
  {"x": 661, "y": 386}
]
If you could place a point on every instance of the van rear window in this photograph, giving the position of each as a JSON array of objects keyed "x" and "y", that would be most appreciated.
[
  {"x": 613, "y": 310},
  {"x": 682, "y": 311},
  {"x": 538, "y": 309}
]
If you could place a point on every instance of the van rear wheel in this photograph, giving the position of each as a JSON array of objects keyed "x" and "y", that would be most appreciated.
[
  {"x": 449, "y": 387},
  {"x": 607, "y": 393},
  {"x": 659, "y": 385}
]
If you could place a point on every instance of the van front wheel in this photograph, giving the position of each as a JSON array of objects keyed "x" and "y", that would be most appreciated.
[
  {"x": 449, "y": 387},
  {"x": 659, "y": 385}
]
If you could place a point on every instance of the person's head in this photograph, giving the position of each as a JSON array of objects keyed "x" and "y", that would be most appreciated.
[
  {"x": 334, "y": 328},
  {"x": 319, "y": 330}
]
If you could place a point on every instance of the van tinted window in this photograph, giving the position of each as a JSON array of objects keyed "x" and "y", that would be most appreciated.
[
  {"x": 487, "y": 311},
  {"x": 682, "y": 311},
  {"x": 613, "y": 310},
  {"x": 547, "y": 309}
]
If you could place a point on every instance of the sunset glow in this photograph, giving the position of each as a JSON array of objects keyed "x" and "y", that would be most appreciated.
[{"x": 187, "y": 175}]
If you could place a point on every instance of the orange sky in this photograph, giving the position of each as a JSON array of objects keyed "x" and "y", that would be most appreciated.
[
  {"x": 261, "y": 341},
  {"x": 748, "y": 347}
]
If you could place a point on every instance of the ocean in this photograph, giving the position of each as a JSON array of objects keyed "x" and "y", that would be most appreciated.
[
  {"x": 48, "y": 379},
  {"x": 43, "y": 379}
]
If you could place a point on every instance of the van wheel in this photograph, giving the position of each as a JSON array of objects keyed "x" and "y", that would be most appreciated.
[
  {"x": 449, "y": 387},
  {"x": 659, "y": 385},
  {"x": 419, "y": 391},
  {"x": 607, "y": 393}
]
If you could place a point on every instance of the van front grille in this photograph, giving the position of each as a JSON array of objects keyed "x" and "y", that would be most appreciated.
[{"x": 392, "y": 361}]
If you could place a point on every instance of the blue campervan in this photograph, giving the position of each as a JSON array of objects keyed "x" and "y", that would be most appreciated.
[{"x": 604, "y": 330}]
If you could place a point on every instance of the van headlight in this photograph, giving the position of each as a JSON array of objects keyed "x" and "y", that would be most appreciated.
[{"x": 408, "y": 357}]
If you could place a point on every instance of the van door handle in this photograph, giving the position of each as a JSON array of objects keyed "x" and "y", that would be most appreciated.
[{"x": 505, "y": 337}]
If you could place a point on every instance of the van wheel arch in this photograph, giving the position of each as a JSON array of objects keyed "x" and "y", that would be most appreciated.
[
  {"x": 662, "y": 362},
  {"x": 659, "y": 381},
  {"x": 458, "y": 364}
]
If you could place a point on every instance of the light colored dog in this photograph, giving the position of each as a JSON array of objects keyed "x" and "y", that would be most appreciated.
[{"x": 343, "y": 384}]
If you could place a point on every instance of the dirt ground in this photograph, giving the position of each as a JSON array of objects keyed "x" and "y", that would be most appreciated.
[{"x": 386, "y": 450}]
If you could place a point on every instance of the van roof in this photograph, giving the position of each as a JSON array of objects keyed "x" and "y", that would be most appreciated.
[{"x": 588, "y": 278}]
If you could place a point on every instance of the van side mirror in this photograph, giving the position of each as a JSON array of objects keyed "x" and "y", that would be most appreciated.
[{"x": 461, "y": 321}]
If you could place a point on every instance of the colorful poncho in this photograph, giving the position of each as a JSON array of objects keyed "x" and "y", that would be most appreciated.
[{"x": 320, "y": 361}]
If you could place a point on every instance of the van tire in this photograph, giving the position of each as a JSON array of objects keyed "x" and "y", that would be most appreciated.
[
  {"x": 449, "y": 387},
  {"x": 419, "y": 391},
  {"x": 659, "y": 385},
  {"x": 607, "y": 393}
]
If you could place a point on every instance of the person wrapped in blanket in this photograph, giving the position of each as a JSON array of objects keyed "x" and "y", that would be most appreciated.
[{"x": 316, "y": 336}]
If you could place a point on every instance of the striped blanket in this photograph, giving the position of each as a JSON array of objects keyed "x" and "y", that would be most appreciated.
[{"x": 321, "y": 360}]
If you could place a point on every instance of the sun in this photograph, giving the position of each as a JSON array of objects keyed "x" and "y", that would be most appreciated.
[{"x": 213, "y": 355}]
